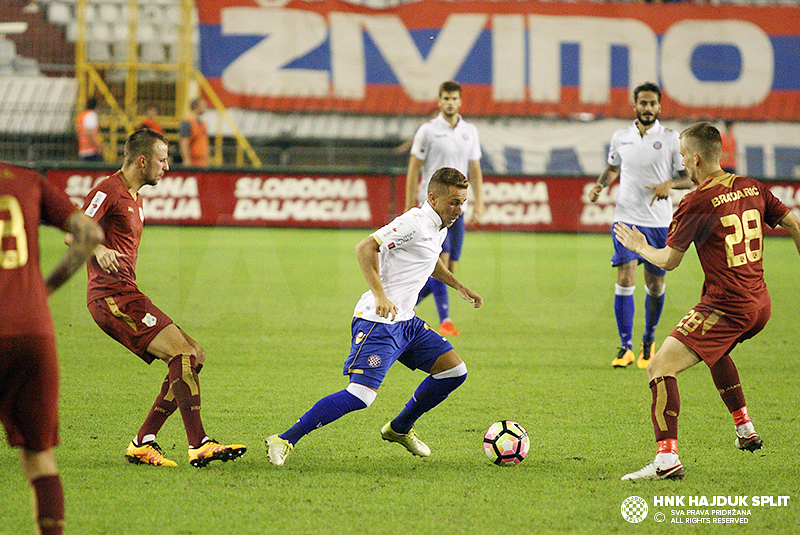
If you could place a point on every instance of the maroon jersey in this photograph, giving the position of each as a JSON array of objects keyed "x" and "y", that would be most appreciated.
[
  {"x": 724, "y": 217},
  {"x": 121, "y": 217},
  {"x": 26, "y": 199}
]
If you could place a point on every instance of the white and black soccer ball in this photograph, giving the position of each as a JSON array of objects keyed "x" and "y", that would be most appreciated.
[{"x": 506, "y": 443}]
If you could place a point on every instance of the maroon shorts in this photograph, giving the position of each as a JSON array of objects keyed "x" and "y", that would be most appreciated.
[
  {"x": 131, "y": 319},
  {"x": 712, "y": 334},
  {"x": 29, "y": 391}
]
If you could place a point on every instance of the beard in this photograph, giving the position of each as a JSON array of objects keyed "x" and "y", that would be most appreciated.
[{"x": 646, "y": 121}]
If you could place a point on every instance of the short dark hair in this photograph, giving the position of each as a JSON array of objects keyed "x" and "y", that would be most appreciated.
[
  {"x": 445, "y": 177},
  {"x": 705, "y": 140},
  {"x": 647, "y": 86},
  {"x": 142, "y": 142},
  {"x": 449, "y": 87}
]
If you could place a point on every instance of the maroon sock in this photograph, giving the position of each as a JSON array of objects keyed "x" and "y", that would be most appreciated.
[
  {"x": 49, "y": 504},
  {"x": 163, "y": 407},
  {"x": 186, "y": 388},
  {"x": 665, "y": 408},
  {"x": 726, "y": 379}
]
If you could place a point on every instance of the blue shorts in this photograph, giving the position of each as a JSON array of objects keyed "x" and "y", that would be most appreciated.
[
  {"x": 455, "y": 239},
  {"x": 376, "y": 346},
  {"x": 656, "y": 236}
]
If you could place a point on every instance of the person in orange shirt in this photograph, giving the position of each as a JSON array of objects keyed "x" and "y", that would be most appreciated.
[
  {"x": 193, "y": 139},
  {"x": 150, "y": 121},
  {"x": 87, "y": 126},
  {"x": 728, "y": 159}
]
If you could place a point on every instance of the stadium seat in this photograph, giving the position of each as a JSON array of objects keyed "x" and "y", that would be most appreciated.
[
  {"x": 119, "y": 31},
  {"x": 152, "y": 53},
  {"x": 144, "y": 32},
  {"x": 119, "y": 51},
  {"x": 110, "y": 13},
  {"x": 59, "y": 13},
  {"x": 172, "y": 14},
  {"x": 71, "y": 33},
  {"x": 172, "y": 52},
  {"x": 99, "y": 31},
  {"x": 97, "y": 51},
  {"x": 7, "y": 50}
]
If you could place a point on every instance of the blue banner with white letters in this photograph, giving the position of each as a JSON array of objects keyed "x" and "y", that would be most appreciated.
[{"x": 512, "y": 58}]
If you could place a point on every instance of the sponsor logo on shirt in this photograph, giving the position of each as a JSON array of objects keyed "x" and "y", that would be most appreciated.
[
  {"x": 98, "y": 199},
  {"x": 402, "y": 239},
  {"x": 149, "y": 320}
]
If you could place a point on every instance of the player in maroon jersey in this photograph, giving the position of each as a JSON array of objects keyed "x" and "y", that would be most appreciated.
[
  {"x": 129, "y": 317},
  {"x": 28, "y": 362},
  {"x": 724, "y": 217}
]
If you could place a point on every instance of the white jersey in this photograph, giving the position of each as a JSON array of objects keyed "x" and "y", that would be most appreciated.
[
  {"x": 644, "y": 160},
  {"x": 409, "y": 248},
  {"x": 439, "y": 145}
]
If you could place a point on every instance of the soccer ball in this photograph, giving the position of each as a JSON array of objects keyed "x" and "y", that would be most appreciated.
[{"x": 506, "y": 443}]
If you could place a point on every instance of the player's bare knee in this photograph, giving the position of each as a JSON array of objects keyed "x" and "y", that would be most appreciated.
[
  {"x": 201, "y": 355},
  {"x": 36, "y": 464}
]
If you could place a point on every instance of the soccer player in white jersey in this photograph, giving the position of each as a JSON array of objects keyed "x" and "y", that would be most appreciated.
[
  {"x": 645, "y": 157},
  {"x": 396, "y": 261},
  {"x": 445, "y": 141}
]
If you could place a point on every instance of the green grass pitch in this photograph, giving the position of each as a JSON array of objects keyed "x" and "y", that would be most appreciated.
[{"x": 272, "y": 308}]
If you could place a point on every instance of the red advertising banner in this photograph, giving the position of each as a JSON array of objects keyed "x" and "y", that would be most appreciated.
[
  {"x": 531, "y": 204},
  {"x": 253, "y": 199},
  {"x": 512, "y": 58}
]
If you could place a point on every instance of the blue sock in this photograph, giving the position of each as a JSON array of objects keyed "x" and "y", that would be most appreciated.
[
  {"x": 426, "y": 290},
  {"x": 439, "y": 290},
  {"x": 328, "y": 409},
  {"x": 624, "y": 308},
  {"x": 429, "y": 393},
  {"x": 653, "y": 305}
]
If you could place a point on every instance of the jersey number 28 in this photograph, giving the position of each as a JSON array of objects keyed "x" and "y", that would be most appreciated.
[
  {"x": 747, "y": 229},
  {"x": 12, "y": 226}
]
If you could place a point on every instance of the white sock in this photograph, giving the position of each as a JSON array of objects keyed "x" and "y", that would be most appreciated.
[
  {"x": 745, "y": 430},
  {"x": 146, "y": 439},
  {"x": 667, "y": 459}
]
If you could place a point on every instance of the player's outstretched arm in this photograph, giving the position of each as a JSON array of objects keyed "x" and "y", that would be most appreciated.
[
  {"x": 666, "y": 258},
  {"x": 606, "y": 178},
  {"x": 443, "y": 274},
  {"x": 367, "y": 254},
  {"x": 412, "y": 181},
  {"x": 85, "y": 236},
  {"x": 792, "y": 224},
  {"x": 476, "y": 180}
]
